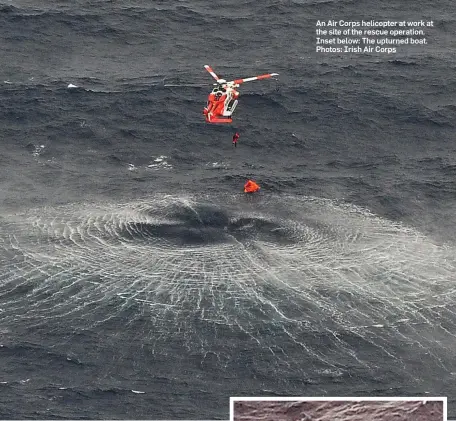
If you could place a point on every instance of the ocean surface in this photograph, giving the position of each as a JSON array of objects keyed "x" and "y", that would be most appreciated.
[{"x": 136, "y": 279}]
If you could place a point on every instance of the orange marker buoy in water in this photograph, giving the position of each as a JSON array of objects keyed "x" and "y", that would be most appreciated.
[{"x": 251, "y": 187}]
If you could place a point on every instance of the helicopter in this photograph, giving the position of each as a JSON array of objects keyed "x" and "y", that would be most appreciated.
[{"x": 223, "y": 99}]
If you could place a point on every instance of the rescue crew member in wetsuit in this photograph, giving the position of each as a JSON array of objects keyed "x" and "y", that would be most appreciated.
[{"x": 235, "y": 139}]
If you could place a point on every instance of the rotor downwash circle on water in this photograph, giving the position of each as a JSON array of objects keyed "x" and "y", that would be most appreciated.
[{"x": 304, "y": 282}]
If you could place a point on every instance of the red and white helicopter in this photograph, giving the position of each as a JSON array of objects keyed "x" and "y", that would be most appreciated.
[{"x": 223, "y": 99}]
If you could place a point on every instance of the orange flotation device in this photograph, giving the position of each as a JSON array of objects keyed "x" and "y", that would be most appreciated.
[{"x": 251, "y": 187}]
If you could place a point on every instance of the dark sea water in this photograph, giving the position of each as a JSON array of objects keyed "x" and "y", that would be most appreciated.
[{"x": 136, "y": 280}]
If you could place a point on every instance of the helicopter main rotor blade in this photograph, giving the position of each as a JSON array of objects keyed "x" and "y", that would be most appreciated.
[
  {"x": 185, "y": 85},
  {"x": 211, "y": 72},
  {"x": 249, "y": 79}
]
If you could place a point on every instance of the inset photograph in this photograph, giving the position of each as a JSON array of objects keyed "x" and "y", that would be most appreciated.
[{"x": 338, "y": 409}]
